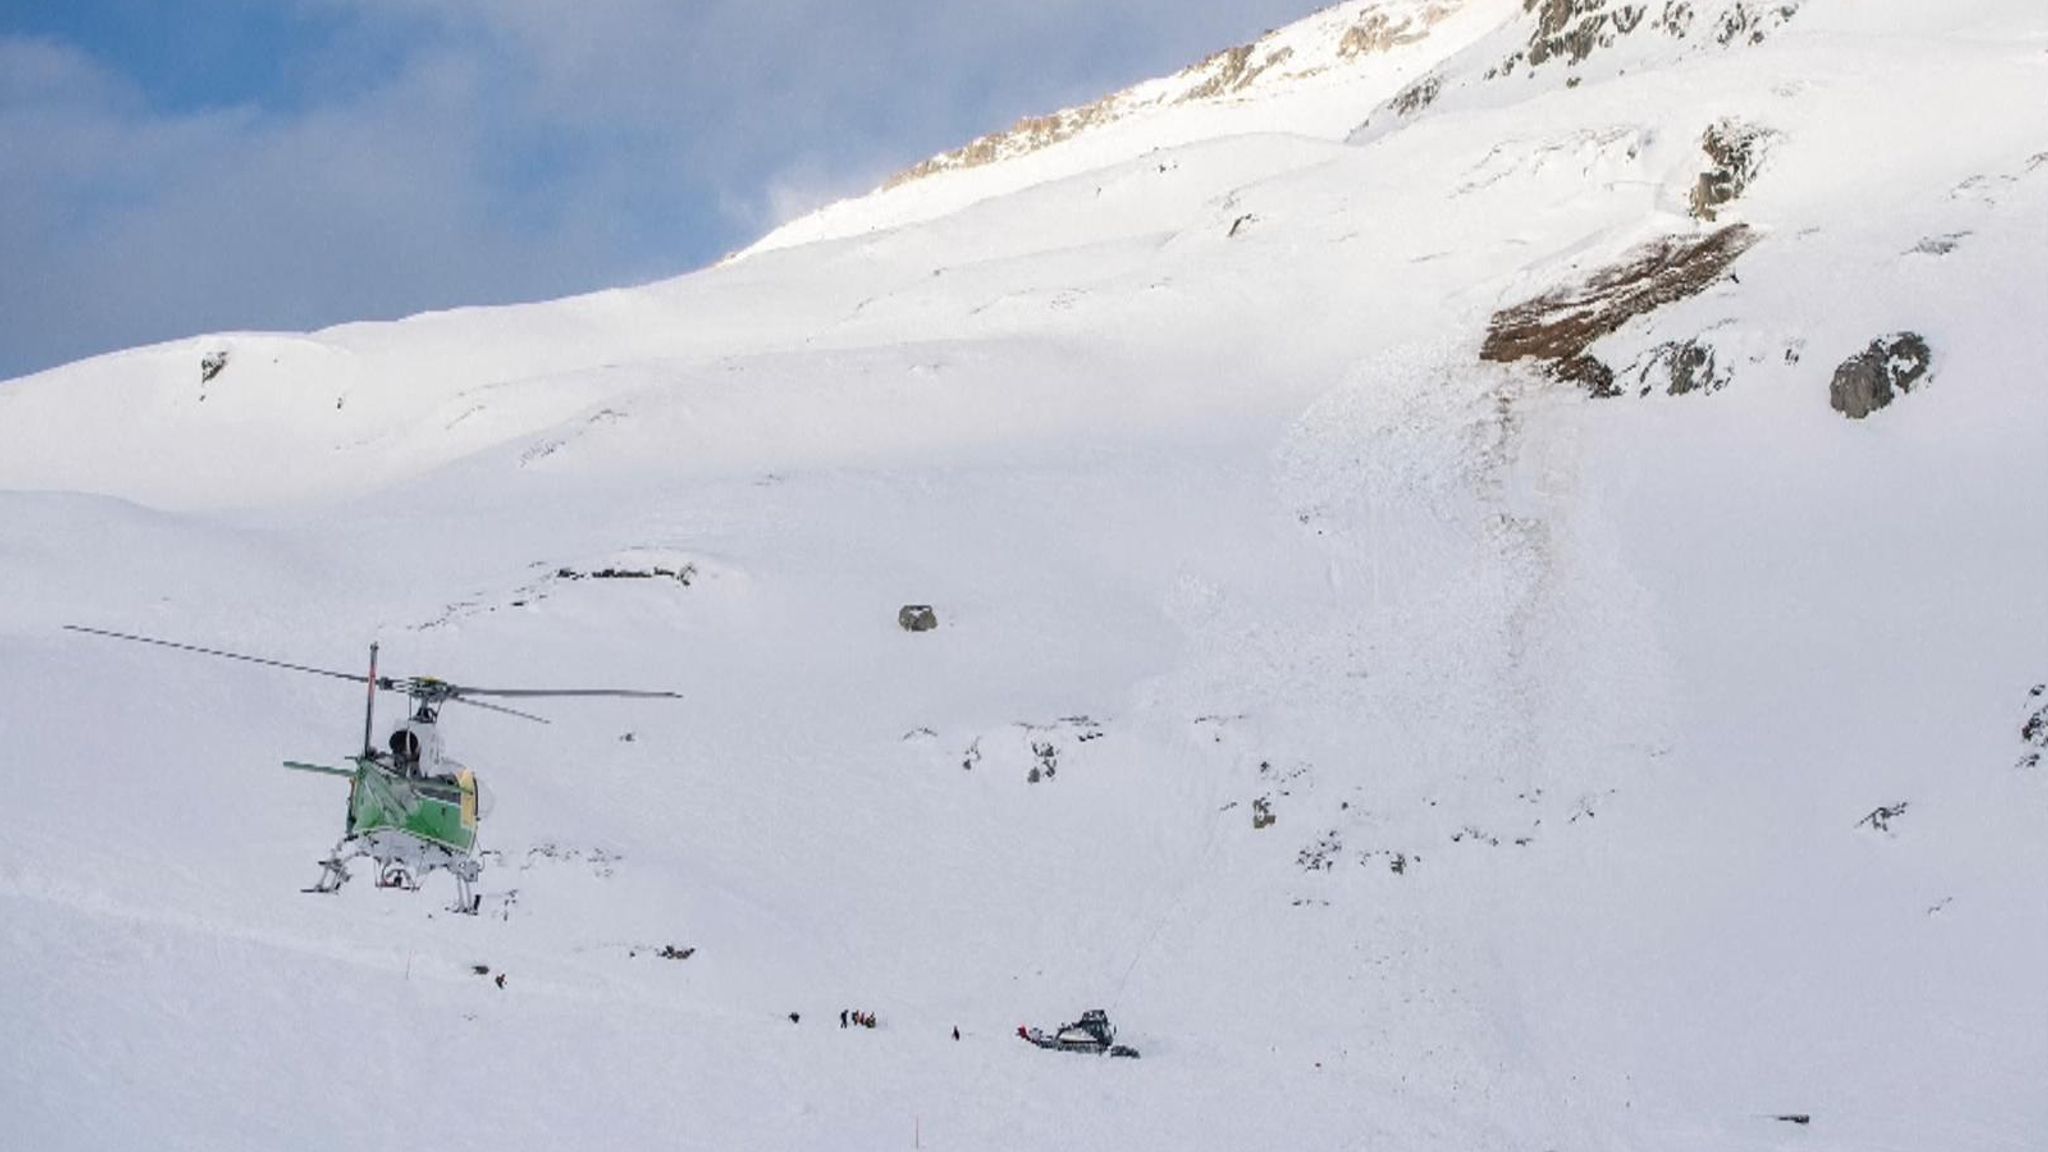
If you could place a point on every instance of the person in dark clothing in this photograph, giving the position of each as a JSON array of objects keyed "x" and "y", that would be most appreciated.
[
  {"x": 956, "y": 1032},
  {"x": 842, "y": 1017}
]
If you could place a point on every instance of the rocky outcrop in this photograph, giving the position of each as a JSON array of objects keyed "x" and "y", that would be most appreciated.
[
  {"x": 1377, "y": 31},
  {"x": 1219, "y": 77},
  {"x": 1417, "y": 96},
  {"x": 917, "y": 618},
  {"x": 1588, "y": 372},
  {"x": 1559, "y": 326},
  {"x": 683, "y": 574},
  {"x": 1744, "y": 22},
  {"x": 1233, "y": 70},
  {"x": 1572, "y": 30},
  {"x": 1680, "y": 368},
  {"x": 1025, "y": 136},
  {"x": 1873, "y": 378},
  {"x": 2034, "y": 729},
  {"x": 1737, "y": 151}
]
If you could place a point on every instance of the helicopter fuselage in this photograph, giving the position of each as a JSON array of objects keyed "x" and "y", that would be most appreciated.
[{"x": 440, "y": 809}]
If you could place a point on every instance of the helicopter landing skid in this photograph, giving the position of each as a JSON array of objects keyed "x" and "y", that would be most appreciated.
[
  {"x": 330, "y": 881},
  {"x": 333, "y": 872},
  {"x": 465, "y": 872},
  {"x": 402, "y": 865}
]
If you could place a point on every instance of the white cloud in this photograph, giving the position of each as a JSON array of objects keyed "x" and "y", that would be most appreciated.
[{"x": 124, "y": 226}]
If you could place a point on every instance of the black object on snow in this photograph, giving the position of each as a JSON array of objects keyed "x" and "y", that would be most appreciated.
[{"x": 1092, "y": 1033}]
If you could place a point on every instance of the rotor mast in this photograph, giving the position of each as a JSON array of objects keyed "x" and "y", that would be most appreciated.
[{"x": 370, "y": 707}]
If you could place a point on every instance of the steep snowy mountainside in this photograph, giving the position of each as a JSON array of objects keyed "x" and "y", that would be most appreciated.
[
  {"x": 1316, "y": 77},
  {"x": 1347, "y": 71},
  {"x": 385, "y": 402},
  {"x": 1613, "y": 746}
]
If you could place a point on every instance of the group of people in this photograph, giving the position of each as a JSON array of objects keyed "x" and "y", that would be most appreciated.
[{"x": 848, "y": 1017}]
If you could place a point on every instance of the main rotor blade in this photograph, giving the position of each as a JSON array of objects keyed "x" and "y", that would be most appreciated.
[
  {"x": 497, "y": 708},
  {"x": 458, "y": 691},
  {"x": 217, "y": 652}
]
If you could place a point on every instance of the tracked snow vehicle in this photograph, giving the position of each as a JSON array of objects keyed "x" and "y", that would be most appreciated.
[{"x": 1092, "y": 1033}]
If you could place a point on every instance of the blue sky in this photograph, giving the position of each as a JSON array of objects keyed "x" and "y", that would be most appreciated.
[{"x": 170, "y": 168}]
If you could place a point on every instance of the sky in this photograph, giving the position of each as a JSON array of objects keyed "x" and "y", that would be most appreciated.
[{"x": 170, "y": 169}]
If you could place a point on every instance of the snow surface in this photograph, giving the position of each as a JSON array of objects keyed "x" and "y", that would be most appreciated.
[{"x": 1568, "y": 710}]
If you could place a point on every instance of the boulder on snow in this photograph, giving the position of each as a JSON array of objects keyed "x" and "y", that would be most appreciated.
[
  {"x": 1737, "y": 150},
  {"x": 212, "y": 364},
  {"x": 917, "y": 618},
  {"x": 1870, "y": 379}
]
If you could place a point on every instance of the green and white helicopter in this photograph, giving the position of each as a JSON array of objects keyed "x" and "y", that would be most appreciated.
[{"x": 412, "y": 809}]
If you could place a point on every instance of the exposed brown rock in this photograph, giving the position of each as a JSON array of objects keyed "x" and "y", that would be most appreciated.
[
  {"x": 1378, "y": 32},
  {"x": 1025, "y": 136},
  {"x": 1560, "y": 325},
  {"x": 1232, "y": 70}
]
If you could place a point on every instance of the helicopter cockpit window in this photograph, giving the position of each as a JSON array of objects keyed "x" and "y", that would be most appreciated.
[{"x": 405, "y": 746}]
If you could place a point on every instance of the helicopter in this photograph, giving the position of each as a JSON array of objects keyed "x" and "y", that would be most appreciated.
[{"x": 412, "y": 809}]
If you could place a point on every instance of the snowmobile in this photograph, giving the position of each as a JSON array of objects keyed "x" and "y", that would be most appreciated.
[{"x": 1092, "y": 1033}]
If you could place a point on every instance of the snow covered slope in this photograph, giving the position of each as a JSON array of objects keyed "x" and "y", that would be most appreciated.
[
  {"x": 1318, "y": 78},
  {"x": 1418, "y": 641}
]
